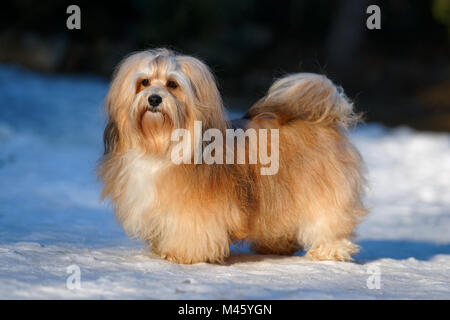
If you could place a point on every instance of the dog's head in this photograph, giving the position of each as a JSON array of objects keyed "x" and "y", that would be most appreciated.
[{"x": 154, "y": 92}]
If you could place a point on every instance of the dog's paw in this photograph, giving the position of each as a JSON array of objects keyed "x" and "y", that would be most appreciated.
[
  {"x": 184, "y": 259},
  {"x": 176, "y": 259},
  {"x": 340, "y": 250}
]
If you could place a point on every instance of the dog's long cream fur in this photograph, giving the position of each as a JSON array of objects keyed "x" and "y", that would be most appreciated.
[{"x": 191, "y": 213}]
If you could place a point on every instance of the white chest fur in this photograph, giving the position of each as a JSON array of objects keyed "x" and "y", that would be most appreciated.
[{"x": 138, "y": 195}]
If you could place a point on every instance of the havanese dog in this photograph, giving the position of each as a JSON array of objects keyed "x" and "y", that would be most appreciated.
[{"x": 191, "y": 211}]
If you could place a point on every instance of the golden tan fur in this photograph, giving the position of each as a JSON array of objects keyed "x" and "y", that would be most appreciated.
[{"x": 191, "y": 213}]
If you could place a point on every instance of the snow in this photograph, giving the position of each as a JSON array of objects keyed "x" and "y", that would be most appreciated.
[{"x": 51, "y": 217}]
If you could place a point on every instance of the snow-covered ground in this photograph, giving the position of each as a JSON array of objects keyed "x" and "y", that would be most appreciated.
[{"x": 51, "y": 217}]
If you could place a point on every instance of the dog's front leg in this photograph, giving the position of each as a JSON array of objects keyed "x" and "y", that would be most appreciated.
[{"x": 193, "y": 238}]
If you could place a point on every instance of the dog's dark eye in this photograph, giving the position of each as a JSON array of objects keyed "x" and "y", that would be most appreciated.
[
  {"x": 145, "y": 82},
  {"x": 172, "y": 84}
]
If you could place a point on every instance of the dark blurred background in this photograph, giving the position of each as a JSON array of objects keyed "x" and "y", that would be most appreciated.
[{"x": 398, "y": 75}]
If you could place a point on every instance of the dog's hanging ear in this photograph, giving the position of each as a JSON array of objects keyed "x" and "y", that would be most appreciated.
[
  {"x": 110, "y": 137},
  {"x": 202, "y": 79},
  {"x": 205, "y": 90},
  {"x": 122, "y": 88},
  {"x": 120, "y": 96}
]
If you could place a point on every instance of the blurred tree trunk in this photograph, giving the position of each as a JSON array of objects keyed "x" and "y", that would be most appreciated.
[{"x": 346, "y": 34}]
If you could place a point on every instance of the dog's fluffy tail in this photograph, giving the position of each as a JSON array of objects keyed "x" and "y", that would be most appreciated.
[{"x": 305, "y": 96}]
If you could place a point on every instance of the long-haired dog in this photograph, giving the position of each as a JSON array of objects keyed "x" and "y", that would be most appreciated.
[{"x": 189, "y": 213}]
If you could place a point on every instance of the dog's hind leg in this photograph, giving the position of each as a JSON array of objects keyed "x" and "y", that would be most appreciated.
[{"x": 326, "y": 234}]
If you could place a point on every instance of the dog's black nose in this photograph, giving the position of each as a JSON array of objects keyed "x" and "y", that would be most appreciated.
[{"x": 154, "y": 100}]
